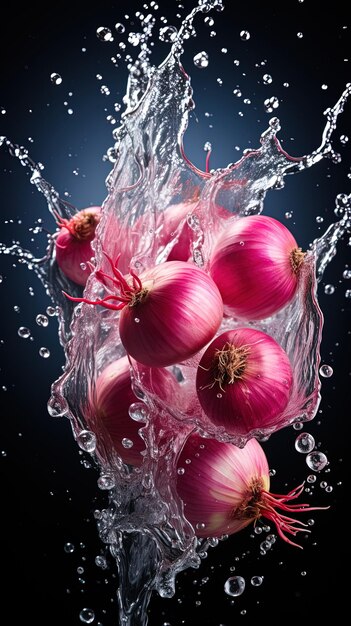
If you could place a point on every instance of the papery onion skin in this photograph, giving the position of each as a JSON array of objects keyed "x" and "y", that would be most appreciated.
[
  {"x": 225, "y": 488},
  {"x": 73, "y": 244},
  {"x": 260, "y": 390},
  {"x": 180, "y": 314},
  {"x": 255, "y": 263},
  {"x": 112, "y": 396}
]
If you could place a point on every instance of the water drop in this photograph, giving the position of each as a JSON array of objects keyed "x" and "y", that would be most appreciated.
[
  {"x": 256, "y": 581},
  {"x": 326, "y": 371},
  {"x": 56, "y": 78},
  {"x": 288, "y": 215},
  {"x": 101, "y": 562},
  {"x": 138, "y": 412},
  {"x": 311, "y": 478},
  {"x": 106, "y": 481},
  {"x": 120, "y": 28},
  {"x": 105, "y": 90},
  {"x": 104, "y": 34},
  {"x": 348, "y": 293},
  {"x": 87, "y": 616},
  {"x": 127, "y": 443},
  {"x": 51, "y": 311},
  {"x": 245, "y": 35},
  {"x": 267, "y": 79},
  {"x": 304, "y": 443},
  {"x": 270, "y": 104},
  {"x": 180, "y": 471},
  {"x": 346, "y": 274},
  {"x": 237, "y": 92},
  {"x": 134, "y": 38},
  {"x": 201, "y": 59},
  {"x": 44, "y": 352},
  {"x": 316, "y": 461},
  {"x": 329, "y": 289},
  {"x": 86, "y": 441},
  {"x": 23, "y": 332},
  {"x": 299, "y": 35},
  {"x": 234, "y": 586},
  {"x": 42, "y": 320},
  {"x": 68, "y": 547}
]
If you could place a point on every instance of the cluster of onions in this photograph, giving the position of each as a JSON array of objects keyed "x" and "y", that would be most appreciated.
[
  {"x": 225, "y": 488},
  {"x": 242, "y": 378},
  {"x": 73, "y": 244}
]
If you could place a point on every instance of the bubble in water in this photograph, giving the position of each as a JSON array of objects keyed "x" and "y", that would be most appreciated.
[
  {"x": 127, "y": 443},
  {"x": 201, "y": 59},
  {"x": 134, "y": 39},
  {"x": 51, "y": 311},
  {"x": 270, "y": 104},
  {"x": 348, "y": 293},
  {"x": 245, "y": 35},
  {"x": 41, "y": 320},
  {"x": 267, "y": 79},
  {"x": 311, "y": 478},
  {"x": 86, "y": 441},
  {"x": 44, "y": 352},
  {"x": 256, "y": 581},
  {"x": 326, "y": 371},
  {"x": 234, "y": 586},
  {"x": 101, "y": 562},
  {"x": 105, "y": 90},
  {"x": 346, "y": 274},
  {"x": 104, "y": 34},
  {"x": 316, "y": 461},
  {"x": 304, "y": 443},
  {"x": 168, "y": 33},
  {"x": 237, "y": 92},
  {"x": 87, "y": 616},
  {"x": 138, "y": 412},
  {"x": 56, "y": 78},
  {"x": 23, "y": 332},
  {"x": 68, "y": 547}
]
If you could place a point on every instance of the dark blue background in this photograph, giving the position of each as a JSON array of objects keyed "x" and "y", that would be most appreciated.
[{"x": 48, "y": 496}]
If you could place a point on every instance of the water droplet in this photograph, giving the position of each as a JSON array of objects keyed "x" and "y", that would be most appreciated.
[
  {"x": 80, "y": 570},
  {"x": 180, "y": 471},
  {"x": 68, "y": 547},
  {"x": 138, "y": 412},
  {"x": 237, "y": 92},
  {"x": 311, "y": 478},
  {"x": 41, "y": 320},
  {"x": 200, "y": 526},
  {"x": 267, "y": 79},
  {"x": 304, "y": 443},
  {"x": 105, "y": 90},
  {"x": 23, "y": 332},
  {"x": 87, "y": 440},
  {"x": 56, "y": 78},
  {"x": 346, "y": 274},
  {"x": 134, "y": 39},
  {"x": 87, "y": 616},
  {"x": 234, "y": 586},
  {"x": 299, "y": 35},
  {"x": 288, "y": 215},
  {"x": 348, "y": 293},
  {"x": 256, "y": 581},
  {"x": 329, "y": 489},
  {"x": 106, "y": 481},
  {"x": 329, "y": 289},
  {"x": 104, "y": 34},
  {"x": 326, "y": 371},
  {"x": 127, "y": 443},
  {"x": 258, "y": 530},
  {"x": 344, "y": 139},
  {"x": 137, "y": 320},
  {"x": 298, "y": 426},
  {"x": 316, "y": 461},
  {"x": 44, "y": 352},
  {"x": 168, "y": 33},
  {"x": 219, "y": 395},
  {"x": 245, "y": 35},
  {"x": 324, "y": 87},
  {"x": 201, "y": 59},
  {"x": 120, "y": 28},
  {"x": 101, "y": 562},
  {"x": 209, "y": 21},
  {"x": 270, "y": 104},
  {"x": 51, "y": 311}
]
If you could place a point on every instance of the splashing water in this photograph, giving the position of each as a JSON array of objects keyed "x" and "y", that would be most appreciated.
[{"x": 143, "y": 524}]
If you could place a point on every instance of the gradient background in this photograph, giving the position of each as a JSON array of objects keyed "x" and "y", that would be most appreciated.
[{"x": 48, "y": 495}]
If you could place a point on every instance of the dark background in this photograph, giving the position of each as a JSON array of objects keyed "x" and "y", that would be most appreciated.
[{"x": 48, "y": 492}]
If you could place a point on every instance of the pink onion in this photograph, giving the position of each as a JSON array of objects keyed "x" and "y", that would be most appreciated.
[
  {"x": 225, "y": 488},
  {"x": 244, "y": 381},
  {"x": 73, "y": 244},
  {"x": 111, "y": 399},
  {"x": 168, "y": 313},
  {"x": 255, "y": 263}
]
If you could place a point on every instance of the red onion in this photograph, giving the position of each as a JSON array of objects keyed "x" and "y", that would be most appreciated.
[
  {"x": 255, "y": 263},
  {"x": 112, "y": 398},
  {"x": 225, "y": 488},
  {"x": 73, "y": 244},
  {"x": 168, "y": 313},
  {"x": 244, "y": 381}
]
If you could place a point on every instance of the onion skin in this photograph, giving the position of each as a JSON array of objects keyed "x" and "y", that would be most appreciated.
[
  {"x": 225, "y": 488},
  {"x": 255, "y": 263},
  {"x": 254, "y": 399},
  {"x": 73, "y": 244},
  {"x": 111, "y": 399}
]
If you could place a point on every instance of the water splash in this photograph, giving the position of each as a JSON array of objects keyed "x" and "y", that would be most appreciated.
[{"x": 152, "y": 174}]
